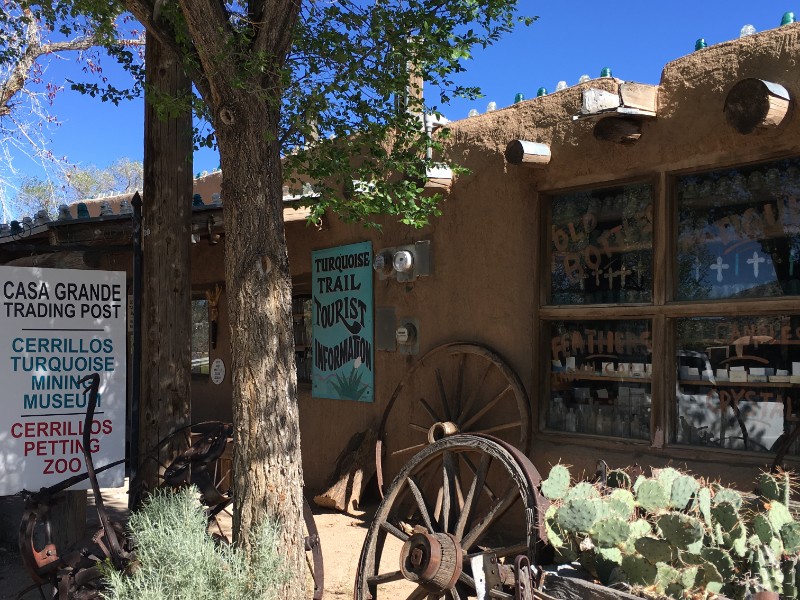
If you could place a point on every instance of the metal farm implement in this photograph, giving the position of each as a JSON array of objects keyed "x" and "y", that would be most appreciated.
[{"x": 76, "y": 575}]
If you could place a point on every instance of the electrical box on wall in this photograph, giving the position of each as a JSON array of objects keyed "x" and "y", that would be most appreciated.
[
  {"x": 404, "y": 263},
  {"x": 407, "y": 336}
]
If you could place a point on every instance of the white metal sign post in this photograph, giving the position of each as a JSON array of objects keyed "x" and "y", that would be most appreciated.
[{"x": 57, "y": 326}]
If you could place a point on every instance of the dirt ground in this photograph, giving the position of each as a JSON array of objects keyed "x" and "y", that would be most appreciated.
[{"x": 341, "y": 536}]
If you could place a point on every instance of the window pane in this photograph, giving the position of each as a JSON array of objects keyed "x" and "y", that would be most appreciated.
[
  {"x": 301, "y": 317},
  {"x": 200, "y": 337},
  {"x": 602, "y": 246},
  {"x": 738, "y": 381},
  {"x": 600, "y": 378},
  {"x": 739, "y": 232}
]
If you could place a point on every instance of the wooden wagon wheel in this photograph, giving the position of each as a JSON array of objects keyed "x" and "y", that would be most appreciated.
[
  {"x": 463, "y": 507},
  {"x": 458, "y": 387}
]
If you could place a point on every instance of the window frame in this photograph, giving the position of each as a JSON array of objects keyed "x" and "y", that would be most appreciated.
[{"x": 662, "y": 311}]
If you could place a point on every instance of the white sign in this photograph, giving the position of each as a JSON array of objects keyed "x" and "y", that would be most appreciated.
[
  {"x": 57, "y": 326},
  {"x": 217, "y": 371}
]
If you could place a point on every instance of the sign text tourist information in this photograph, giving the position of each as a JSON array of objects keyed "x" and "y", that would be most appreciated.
[
  {"x": 57, "y": 326},
  {"x": 341, "y": 280}
]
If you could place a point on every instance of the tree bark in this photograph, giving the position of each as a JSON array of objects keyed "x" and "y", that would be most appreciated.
[
  {"x": 268, "y": 475},
  {"x": 166, "y": 303}
]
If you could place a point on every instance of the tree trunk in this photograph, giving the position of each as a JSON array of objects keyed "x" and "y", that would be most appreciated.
[
  {"x": 268, "y": 475},
  {"x": 166, "y": 303}
]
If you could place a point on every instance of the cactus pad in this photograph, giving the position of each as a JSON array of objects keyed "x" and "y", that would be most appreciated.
[
  {"x": 726, "y": 515},
  {"x": 724, "y": 494},
  {"x": 721, "y": 560},
  {"x": 581, "y": 491},
  {"x": 778, "y": 515},
  {"x": 790, "y": 534},
  {"x": 616, "y": 478},
  {"x": 609, "y": 533},
  {"x": 652, "y": 496},
  {"x": 684, "y": 488},
  {"x": 762, "y": 528},
  {"x": 704, "y": 504},
  {"x": 666, "y": 476},
  {"x": 621, "y": 504},
  {"x": 577, "y": 516},
  {"x": 638, "y": 570},
  {"x": 556, "y": 485},
  {"x": 655, "y": 550},
  {"x": 680, "y": 530}
]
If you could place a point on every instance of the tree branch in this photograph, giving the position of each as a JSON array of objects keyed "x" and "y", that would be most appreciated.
[
  {"x": 144, "y": 11},
  {"x": 20, "y": 72},
  {"x": 213, "y": 36}
]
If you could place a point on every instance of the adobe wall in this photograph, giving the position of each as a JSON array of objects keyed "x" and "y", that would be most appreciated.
[{"x": 486, "y": 243}]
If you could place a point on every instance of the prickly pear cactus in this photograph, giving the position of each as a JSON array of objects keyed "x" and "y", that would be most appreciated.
[
  {"x": 557, "y": 483},
  {"x": 677, "y": 536}
]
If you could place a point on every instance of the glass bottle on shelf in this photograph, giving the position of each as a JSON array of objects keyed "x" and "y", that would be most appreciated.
[{"x": 571, "y": 421}]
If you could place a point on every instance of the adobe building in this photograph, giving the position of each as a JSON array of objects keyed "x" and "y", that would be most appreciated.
[{"x": 617, "y": 277}]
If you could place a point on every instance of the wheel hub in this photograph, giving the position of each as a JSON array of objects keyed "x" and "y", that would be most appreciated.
[
  {"x": 432, "y": 560},
  {"x": 441, "y": 429}
]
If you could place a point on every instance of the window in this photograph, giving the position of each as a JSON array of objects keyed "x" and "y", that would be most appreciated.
[
  {"x": 739, "y": 233},
  {"x": 201, "y": 338},
  {"x": 600, "y": 374},
  {"x": 688, "y": 323},
  {"x": 602, "y": 246},
  {"x": 738, "y": 381},
  {"x": 301, "y": 320}
]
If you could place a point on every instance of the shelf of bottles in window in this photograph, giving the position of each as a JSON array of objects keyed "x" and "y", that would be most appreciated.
[
  {"x": 738, "y": 381},
  {"x": 601, "y": 246},
  {"x": 600, "y": 378},
  {"x": 739, "y": 232},
  {"x": 301, "y": 322}
]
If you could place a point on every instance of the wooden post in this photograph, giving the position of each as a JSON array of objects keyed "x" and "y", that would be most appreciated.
[
  {"x": 166, "y": 286},
  {"x": 439, "y": 178},
  {"x": 529, "y": 154},
  {"x": 638, "y": 95},
  {"x": 622, "y": 130},
  {"x": 756, "y": 105}
]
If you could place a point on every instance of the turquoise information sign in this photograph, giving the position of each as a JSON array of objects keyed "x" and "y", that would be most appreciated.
[{"x": 342, "y": 323}]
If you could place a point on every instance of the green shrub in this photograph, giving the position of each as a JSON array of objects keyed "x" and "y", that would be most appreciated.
[{"x": 177, "y": 559}]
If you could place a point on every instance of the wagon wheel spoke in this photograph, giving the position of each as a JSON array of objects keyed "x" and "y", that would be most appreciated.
[
  {"x": 443, "y": 395},
  {"x": 429, "y": 409},
  {"x": 420, "y": 593},
  {"x": 486, "y": 488},
  {"x": 458, "y": 388},
  {"x": 467, "y": 407},
  {"x": 424, "y": 509},
  {"x": 385, "y": 578},
  {"x": 486, "y": 408},
  {"x": 447, "y": 492},
  {"x": 413, "y": 448},
  {"x": 496, "y": 428},
  {"x": 314, "y": 559},
  {"x": 497, "y": 510},
  {"x": 395, "y": 531},
  {"x": 473, "y": 495},
  {"x": 462, "y": 361}
]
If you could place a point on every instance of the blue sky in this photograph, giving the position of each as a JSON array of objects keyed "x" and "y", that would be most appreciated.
[{"x": 571, "y": 38}]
